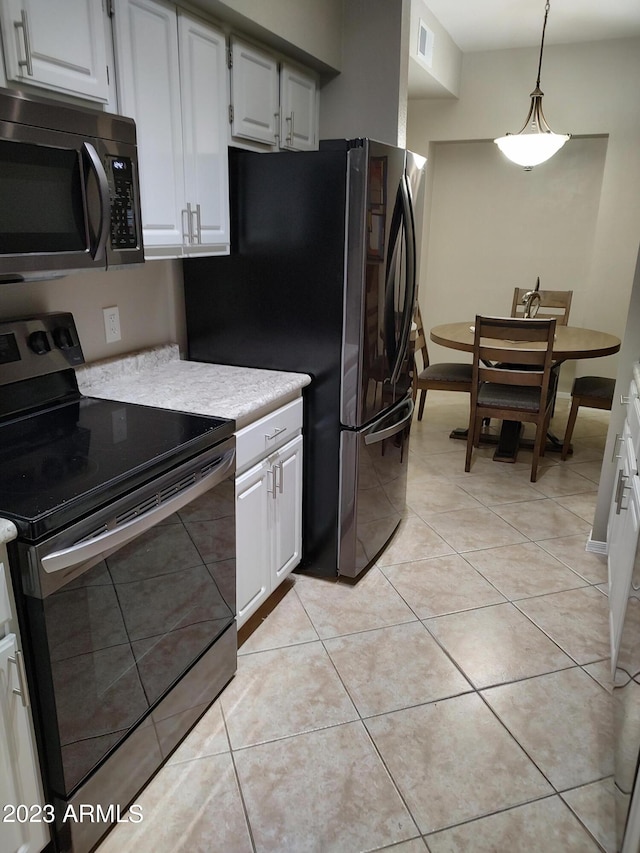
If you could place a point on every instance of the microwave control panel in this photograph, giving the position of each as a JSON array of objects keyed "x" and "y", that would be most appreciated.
[{"x": 124, "y": 230}]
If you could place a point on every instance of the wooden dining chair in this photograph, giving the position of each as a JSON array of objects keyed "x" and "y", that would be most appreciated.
[
  {"x": 525, "y": 394},
  {"x": 556, "y": 302},
  {"x": 443, "y": 376},
  {"x": 594, "y": 392}
]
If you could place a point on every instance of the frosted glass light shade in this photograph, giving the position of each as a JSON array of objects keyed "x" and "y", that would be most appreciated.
[{"x": 531, "y": 149}]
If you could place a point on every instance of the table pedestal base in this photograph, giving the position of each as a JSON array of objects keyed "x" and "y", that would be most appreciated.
[{"x": 509, "y": 441}]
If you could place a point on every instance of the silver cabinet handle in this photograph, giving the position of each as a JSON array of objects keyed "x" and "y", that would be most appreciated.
[
  {"x": 186, "y": 232},
  {"x": 273, "y": 491},
  {"x": 276, "y": 432},
  {"x": 620, "y": 490},
  {"x": 196, "y": 233},
  {"x": 277, "y": 124},
  {"x": 281, "y": 477},
  {"x": 617, "y": 439},
  {"x": 20, "y": 691},
  {"x": 23, "y": 25},
  {"x": 290, "y": 134}
]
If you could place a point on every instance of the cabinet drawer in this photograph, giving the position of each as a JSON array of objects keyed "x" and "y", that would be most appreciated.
[
  {"x": 633, "y": 417},
  {"x": 267, "y": 434}
]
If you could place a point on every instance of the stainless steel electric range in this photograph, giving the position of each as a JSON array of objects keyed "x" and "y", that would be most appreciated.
[{"x": 123, "y": 571}]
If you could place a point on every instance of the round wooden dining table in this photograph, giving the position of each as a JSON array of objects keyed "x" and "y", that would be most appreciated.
[{"x": 571, "y": 342}]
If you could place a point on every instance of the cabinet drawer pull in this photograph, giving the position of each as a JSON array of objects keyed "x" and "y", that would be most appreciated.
[
  {"x": 280, "y": 479},
  {"x": 276, "y": 432},
  {"x": 23, "y": 25}
]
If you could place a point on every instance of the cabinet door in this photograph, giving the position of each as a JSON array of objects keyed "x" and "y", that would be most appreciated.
[
  {"x": 19, "y": 781},
  {"x": 146, "y": 47},
  {"x": 287, "y": 525},
  {"x": 254, "y": 93},
  {"x": 623, "y": 532},
  {"x": 203, "y": 71},
  {"x": 254, "y": 492},
  {"x": 298, "y": 109},
  {"x": 59, "y": 46}
]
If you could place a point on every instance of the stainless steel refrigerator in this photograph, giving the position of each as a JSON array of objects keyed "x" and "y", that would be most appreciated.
[{"x": 321, "y": 279}]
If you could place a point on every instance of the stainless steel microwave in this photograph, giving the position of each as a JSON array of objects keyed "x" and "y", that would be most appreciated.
[{"x": 69, "y": 189}]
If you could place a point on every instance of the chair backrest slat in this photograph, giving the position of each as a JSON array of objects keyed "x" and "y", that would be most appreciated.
[
  {"x": 558, "y": 301},
  {"x": 509, "y": 340}
]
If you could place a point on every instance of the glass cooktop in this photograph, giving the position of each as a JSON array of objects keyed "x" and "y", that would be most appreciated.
[{"x": 59, "y": 464}]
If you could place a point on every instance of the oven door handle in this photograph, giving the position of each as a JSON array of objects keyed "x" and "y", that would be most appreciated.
[{"x": 110, "y": 540}]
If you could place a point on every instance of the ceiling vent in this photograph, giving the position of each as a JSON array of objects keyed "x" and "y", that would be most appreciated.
[{"x": 425, "y": 43}]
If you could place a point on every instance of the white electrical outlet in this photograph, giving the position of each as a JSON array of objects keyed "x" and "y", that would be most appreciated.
[{"x": 112, "y": 324}]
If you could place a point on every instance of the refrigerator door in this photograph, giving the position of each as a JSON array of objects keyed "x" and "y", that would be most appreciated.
[
  {"x": 380, "y": 282},
  {"x": 373, "y": 486}
]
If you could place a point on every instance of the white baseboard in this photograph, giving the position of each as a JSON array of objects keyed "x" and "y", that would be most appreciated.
[{"x": 597, "y": 547}]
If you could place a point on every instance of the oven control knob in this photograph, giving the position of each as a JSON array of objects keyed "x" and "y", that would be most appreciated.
[
  {"x": 62, "y": 337},
  {"x": 39, "y": 343}
]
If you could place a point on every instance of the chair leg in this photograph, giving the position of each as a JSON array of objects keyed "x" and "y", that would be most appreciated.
[
  {"x": 423, "y": 399},
  {"x": 474, "y": 427},
  {"x": 538, "y": 446},
  {"x": 570, "y": 425}
]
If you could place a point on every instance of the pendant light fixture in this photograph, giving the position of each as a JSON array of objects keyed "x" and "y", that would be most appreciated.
[{"x": 535, "y": 142}]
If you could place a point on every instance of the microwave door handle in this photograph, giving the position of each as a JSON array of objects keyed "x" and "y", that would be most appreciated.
[
  {"x": 78, "y": 554},
  {"x": 105, "y": 204}
]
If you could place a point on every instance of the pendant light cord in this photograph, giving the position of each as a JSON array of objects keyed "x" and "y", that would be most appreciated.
[{"x": 544, "y": 27}]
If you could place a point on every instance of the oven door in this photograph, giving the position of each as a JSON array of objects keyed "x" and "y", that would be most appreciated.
[{"x": 119, "y": 609}]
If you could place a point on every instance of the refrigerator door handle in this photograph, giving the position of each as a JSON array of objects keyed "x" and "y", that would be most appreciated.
[
  {"x": 410, "y": 275},
  {"x": 375, "y": 434}
]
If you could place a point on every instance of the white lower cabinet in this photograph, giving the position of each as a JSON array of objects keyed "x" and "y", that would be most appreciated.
[
  {"x": 623, "y": 531},
  {"x": 23, "y": 821},
  {"x": 268, "y": 507}
]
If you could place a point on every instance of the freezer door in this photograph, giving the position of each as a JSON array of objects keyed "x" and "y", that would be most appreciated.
[{"x": 373, "y": 486}]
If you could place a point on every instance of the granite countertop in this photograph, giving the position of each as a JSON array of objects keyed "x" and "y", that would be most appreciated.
[
  {"x": 158, "y": 377},
  {"x": 8, "y": 530}
]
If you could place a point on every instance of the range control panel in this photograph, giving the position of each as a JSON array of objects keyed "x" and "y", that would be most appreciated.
[{"x": 38, "y": 345}]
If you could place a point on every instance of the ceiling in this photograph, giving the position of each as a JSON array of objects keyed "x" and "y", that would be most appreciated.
[{"x": 500, "y": 24}]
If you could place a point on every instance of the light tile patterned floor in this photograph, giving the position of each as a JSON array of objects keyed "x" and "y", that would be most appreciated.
[{"x": 453, "y": 700}]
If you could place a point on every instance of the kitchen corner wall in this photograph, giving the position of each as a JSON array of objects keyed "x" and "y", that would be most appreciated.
[
  {"x": 149, "y": 298},
  {"x": 369, "y": 97}
]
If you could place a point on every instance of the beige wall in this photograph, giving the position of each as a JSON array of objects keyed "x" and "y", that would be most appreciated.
[
  {"x": 149, "y": 298},
  {"x": 308, "y": 30},
  {"x": 369, "y": 97},
  {"x": 590, "y": 90}
]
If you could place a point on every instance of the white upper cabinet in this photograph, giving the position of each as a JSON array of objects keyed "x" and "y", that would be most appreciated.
[
  {"x": 204, "y": 103},
  {"x": 172, "y": 81},
  {"x": 298, "y": 109},
  {"x": 148, "y": 76},
  {"x": 254, "y": 93},
  {"x": 271, "y": 105},
  {"x": 56, "y": 46}
]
